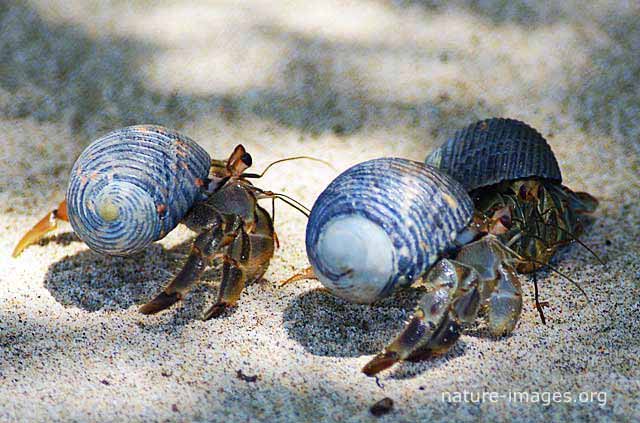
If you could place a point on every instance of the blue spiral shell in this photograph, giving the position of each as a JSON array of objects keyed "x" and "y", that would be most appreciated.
[
  {"x": 382, "y": 224},
  {"x": 133, "y": 186},
  {"x": 495, "y": 150}
]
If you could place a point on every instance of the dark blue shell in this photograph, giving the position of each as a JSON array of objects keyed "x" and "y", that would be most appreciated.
[
  {"x": 133, "y": 186},
  {"x": 421, "y": 210},
  {"x": 495, "y": 150}
]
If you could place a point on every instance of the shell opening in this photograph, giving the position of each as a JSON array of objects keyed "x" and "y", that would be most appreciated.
[{"x": 354, "y": 251}]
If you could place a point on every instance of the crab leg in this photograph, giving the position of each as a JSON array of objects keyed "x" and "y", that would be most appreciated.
[
  {"x": 307, "y": 273},
  {"x": 505, "y": 302},
  {"x": 499, "y": 286},
  {"x": 435, "y": 326},
  {"x": 206, "y": 247},
  {"x": 40, "y": 229},
  {"x": 480, "y": 276},
  {"x": 233, "y": 277},
  {"x": 247, "y": 259}
]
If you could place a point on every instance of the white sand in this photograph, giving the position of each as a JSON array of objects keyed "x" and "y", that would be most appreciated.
[{"x": 345, "y": 81}]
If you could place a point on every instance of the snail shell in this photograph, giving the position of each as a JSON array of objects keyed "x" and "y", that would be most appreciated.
[
  {"x": 495, "y": 150},
  {"x": 132, "y": 186},
  {"x": 381, "y": 224}
]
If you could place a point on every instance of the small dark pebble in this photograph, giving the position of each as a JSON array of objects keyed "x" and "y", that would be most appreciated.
[
  {"x": 421, "y": 388},
  {"x": 246, "y": 378},
  {"x": 174, "y": 408},
  {"x": 105, "y": 382},
  {"x": 382, "y": 407},
  {"x": 166, "y": 373},
  {"x": 607, "y": 242},
  {"x": 338, "y": 129}
]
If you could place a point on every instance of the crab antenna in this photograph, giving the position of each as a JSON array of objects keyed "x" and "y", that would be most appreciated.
[
  {"x": 572, "y": 236},
  {"x": 292, "y": 204},
  {"x": 547, "y": 265},
  {"x": 537, "y": 298},
  {"x": 574, "y": 283},
  {"x": 269, "y": 194},
  {"x": 273, "y": 210},
  {"x": 260, "y": 175},
  {"x": 284, "y": 198}
]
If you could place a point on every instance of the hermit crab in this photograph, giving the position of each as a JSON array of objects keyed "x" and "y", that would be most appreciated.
[
  {"x": 134, "y": 185},
  {"x": 514, "y": 179},
  {"x": 392, "y": 222}
]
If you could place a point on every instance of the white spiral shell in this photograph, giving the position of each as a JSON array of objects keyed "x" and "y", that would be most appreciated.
[{"x": 382, "y": 224}]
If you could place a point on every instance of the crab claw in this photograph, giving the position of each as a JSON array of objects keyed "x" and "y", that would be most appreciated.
[
  {"x": 420, "y": 340},
  {"x": 381, "y": 362},
  {"x": 216, "y": 311},
  {"x": 161, "y": 302},
  {"x": 40, "y": 229}
]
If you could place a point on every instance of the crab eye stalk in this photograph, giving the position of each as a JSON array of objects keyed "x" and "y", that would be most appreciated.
[
  {"x": 247, "y": 160},
  {"x": 239, "y": 161}
]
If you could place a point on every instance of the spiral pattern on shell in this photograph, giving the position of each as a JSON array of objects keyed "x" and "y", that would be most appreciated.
[
  {"x": 133, "y": 186},
  {"x": 381, "y": 224},
  {"x": 495, "y": 150}
]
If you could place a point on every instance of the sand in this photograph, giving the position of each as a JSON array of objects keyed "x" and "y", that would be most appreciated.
[{"x": 344, "y": 81}]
